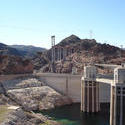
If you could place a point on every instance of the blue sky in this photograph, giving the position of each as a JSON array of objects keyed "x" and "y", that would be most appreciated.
[{"x": 32, "y": 22}]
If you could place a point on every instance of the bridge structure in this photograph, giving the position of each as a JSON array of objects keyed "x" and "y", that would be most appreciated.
[{"x": 90, "y": 89}]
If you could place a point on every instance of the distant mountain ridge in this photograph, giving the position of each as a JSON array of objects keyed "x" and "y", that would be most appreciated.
[
  {"x": 28, "y": 50},
  {"x": 6, "y": 50},
  {"x": 20, "y": 50}
]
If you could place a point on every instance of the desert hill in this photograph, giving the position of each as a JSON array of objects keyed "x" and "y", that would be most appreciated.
[{"x": 84, "y": 51}]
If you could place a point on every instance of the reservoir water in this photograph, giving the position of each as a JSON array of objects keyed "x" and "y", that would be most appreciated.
[{"x": 71, "y": 115}]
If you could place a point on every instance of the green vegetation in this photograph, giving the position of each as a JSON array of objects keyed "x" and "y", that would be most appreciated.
[
  {"x": 3, "y": 112},
  {"x": 46, "y": 123}
]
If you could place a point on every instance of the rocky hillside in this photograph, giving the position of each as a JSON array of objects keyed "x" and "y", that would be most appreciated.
[
  {"x": 15, "y": 65},
  {"x": 84, "y": 51},
  {"x": 17, "y": 59}
]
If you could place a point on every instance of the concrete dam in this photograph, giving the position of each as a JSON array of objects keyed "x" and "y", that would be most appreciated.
[{"x": 90, "y": 89}]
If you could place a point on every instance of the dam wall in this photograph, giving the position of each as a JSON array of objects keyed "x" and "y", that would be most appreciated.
[
  {"x": 70, "y": 85},
  {"x": 66, "y": 84}
]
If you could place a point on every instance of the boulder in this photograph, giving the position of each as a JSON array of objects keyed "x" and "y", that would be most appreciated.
[{"x": 38, "y": 98}]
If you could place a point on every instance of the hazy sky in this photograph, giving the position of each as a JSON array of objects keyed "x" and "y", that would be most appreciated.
[{"x": 32, "y": 22}]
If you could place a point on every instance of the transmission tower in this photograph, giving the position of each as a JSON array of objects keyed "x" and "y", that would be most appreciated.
[
  {"x": 91, "y": 34},
  {"x": 121, "y": 46}
]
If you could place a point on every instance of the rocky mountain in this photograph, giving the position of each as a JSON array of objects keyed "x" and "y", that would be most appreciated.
[
  {"x": 69, "y": 40},
  {"x": 85, "y": 51},
  {"x": 28, "y": 51}
]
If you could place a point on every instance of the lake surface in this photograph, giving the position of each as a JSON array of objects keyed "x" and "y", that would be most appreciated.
[{"x": 71, "y": 115}]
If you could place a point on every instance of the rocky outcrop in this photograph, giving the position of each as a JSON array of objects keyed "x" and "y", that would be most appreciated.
[
  {"x": 38, "y": 98},
  {"x": 18, "y": 83},
  {"x": 20, "y": 117},
  {"x": 64, "y": 67},
  {"x": 5, "y": 100},
  {"x": 16, "y": 117},
  {"x": 73, "y": 39},
  {"x": 40, "y": 60}
]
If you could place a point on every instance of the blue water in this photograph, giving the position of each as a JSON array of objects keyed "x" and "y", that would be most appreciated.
[{"x": 71, "y": 115}]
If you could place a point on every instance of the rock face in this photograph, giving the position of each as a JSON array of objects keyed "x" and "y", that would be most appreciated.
[
  {"x": 40, "y": 60},
  {"x": 16, "y": 116},
  {"x": 38, "y": 98},
  {"x": 19, "y": 117},
  {"x": 15, "y": 65},
  {"x": 5, "y": 100}
]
